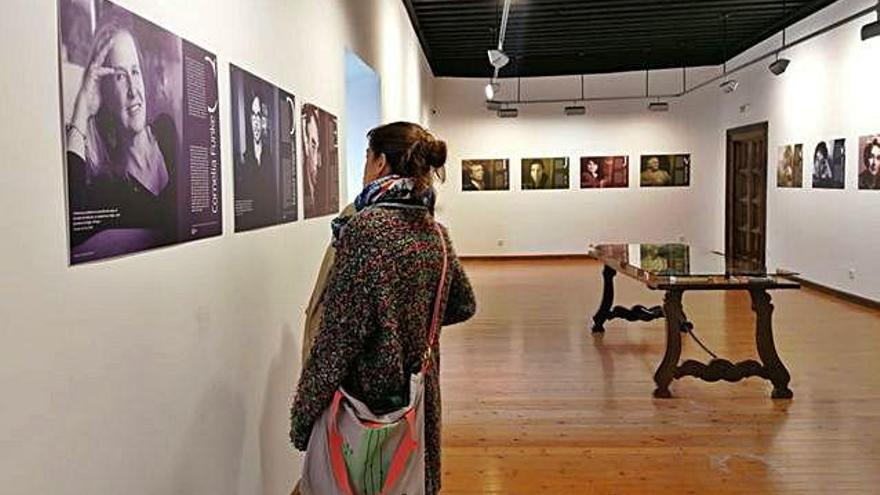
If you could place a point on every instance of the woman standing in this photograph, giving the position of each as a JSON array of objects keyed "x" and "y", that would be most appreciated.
[{"x": 380, "y": 298}]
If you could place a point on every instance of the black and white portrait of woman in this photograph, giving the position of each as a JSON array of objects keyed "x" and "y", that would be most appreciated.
[
  {"x": 122, "y": 103},
  {"x": 829, "y": 164}
]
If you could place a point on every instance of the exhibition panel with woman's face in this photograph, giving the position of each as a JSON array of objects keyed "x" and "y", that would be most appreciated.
[{"x": 142, "y": 133}]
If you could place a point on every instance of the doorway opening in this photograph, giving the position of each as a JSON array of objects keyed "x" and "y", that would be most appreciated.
[
  {"x": 745, "y": 236},
  {"x": 363, "y": 112}
]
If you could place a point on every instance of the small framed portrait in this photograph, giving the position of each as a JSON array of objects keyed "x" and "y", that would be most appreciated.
[
  {"x": 790, "y": 168},
  {"x": 869, "y": 162},
  {"x": 829, "y": 164},
  {"x": 604, "y": 172},
  {"x": 485, "y": 175},
  {"x": 665, "y": 170},
  {"x": 545, "y": 173}
]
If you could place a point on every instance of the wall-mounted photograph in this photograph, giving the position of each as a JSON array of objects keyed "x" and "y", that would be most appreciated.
[
  {"x": 545, "y": 173},
  {"x": 604, "y": 171},
  {"x": 829, "y": 164},
  {"x": 485, "y": 175},
  {"x": 665, "y": 170},
  {"x": 139, "y": 109},
  {"x": 790, "y": 169},
  {"x": 320, "y": 144},
  {"x": 263, "y": 144},
  {"x": 869, "y": 162}
]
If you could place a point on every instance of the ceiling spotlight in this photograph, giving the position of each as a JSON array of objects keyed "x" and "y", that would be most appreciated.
[
  {"x": 575, "y": 110},
  {"x": 508, "y": 113},
  {"x": 498, "y": 59},
  {"x": 873, "y": 29},
  {"x": 491, "y": 89},
  {"x": 729, "y": 86},
  {"x": 658, "y": 106},
  {"x": 779, "y": 66}
]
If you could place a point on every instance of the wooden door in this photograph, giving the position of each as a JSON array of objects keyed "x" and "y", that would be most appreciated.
[{"x": 746, "y": 212}]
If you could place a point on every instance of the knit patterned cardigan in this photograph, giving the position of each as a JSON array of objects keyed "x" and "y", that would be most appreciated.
[{"x": 378, "y": 307}]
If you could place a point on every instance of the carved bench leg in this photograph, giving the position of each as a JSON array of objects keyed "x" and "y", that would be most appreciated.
[
  {"x": 776, "y": 371},
  {"x": 604, "y": 311},
  {"x": 674, "y": 317}
]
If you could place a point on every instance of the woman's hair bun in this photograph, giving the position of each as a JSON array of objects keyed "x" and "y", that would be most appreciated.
[
  {"x": 435, "y": 152},
  {"x": 411, "y": 151}
]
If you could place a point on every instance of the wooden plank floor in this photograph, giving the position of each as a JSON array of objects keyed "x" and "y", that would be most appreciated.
[{"x": 534, "y": 404}]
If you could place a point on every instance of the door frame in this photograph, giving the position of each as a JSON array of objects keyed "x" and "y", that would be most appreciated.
[{"x": 729, "y": 200}]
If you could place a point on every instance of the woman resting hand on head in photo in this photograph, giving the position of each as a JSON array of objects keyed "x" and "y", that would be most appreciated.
[
  {"x": 380, "y": 297},
  {"x": 115, "y": 158}
]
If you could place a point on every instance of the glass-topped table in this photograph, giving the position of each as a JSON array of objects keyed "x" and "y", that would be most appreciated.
[
  {"x": 676, "y": 268},
  {"x": 667, "y": 265}
]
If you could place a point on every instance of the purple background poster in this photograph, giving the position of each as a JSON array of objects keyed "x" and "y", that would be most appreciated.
[
  {"x": 320, "y": 143},
  {"x": 263, "y": 140},
  {"x": 141, "y": 131}
]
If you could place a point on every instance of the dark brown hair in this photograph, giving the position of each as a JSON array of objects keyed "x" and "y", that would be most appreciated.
[
  {"x": 411, "y": 151},
  {"x": 866, "y": 153}
]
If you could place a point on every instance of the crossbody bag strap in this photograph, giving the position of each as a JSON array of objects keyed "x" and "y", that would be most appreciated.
[{"x": 433, "y": 332}]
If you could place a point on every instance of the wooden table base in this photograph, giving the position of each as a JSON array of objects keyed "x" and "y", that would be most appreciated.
[
  {"x": 607, "y": 313},
  {"x": 769, "y": 368}
]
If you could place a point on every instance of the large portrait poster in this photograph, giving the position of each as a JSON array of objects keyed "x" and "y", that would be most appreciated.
[
  {"x": 141, "y": 133},
  {"x": 263, "y": 144},
  {"x": 320, "y": 141}
]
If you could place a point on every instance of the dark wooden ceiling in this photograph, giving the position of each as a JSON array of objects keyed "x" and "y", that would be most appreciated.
[{"x": 559, "y": 37}]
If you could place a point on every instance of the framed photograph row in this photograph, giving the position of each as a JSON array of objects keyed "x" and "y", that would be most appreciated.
[
  {"x": 828, "y": 164},
  {"x": 596, "y": 172}
]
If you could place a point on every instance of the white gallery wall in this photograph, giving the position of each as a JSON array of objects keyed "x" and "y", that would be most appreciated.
[
  {"x": 169, "y": 371},
  {"x": 521, "y": 222},
  {"x": 830, "y": 91}
]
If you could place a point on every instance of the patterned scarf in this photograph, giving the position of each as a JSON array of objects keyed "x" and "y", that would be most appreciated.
[{"x": 391, "y": 191}]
